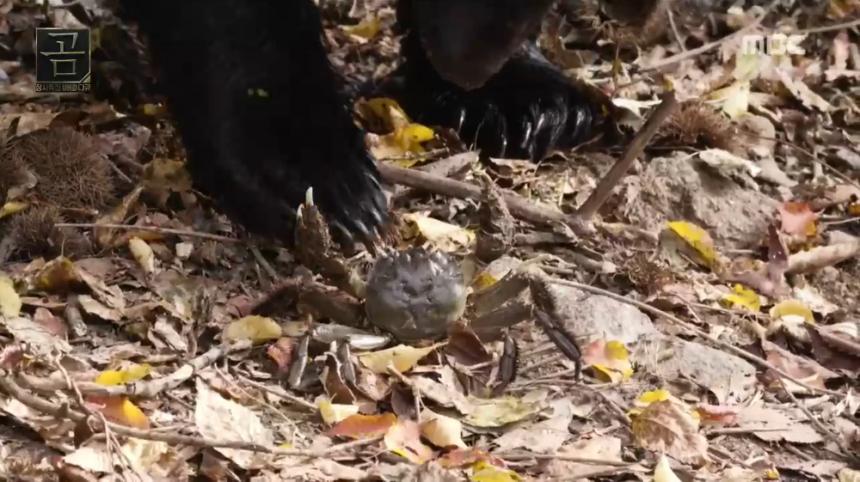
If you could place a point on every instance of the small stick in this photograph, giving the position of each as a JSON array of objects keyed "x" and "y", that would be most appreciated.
[
  {"x": 634, "y": 150},
  {"x": 153, "y": 229}
]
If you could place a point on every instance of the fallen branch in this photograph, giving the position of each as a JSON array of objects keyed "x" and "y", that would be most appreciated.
[
  {"x": 821, "y": 257},
  {"x": 634, "y": 150},
  {"x": 145, "y": 389},
  {"x": 63, "y": 411}
]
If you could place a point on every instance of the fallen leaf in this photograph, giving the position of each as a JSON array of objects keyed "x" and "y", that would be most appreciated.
[
  {"x": 485, "y": 472},
  {"x": 546, "y": 436},
  {"x": 404, "y": 439},
  {"x": 743, "y": 297},
  {"x": 798, "y": 219},
  {"x": 258, "y": 329},
  {"x": 701, "y": 246},
  {"x": 442, "y": 431},
  {"x": 777, "y": 425},
  {"x": 670, "y": 426},
  {"x": 498, "y": 412},
  {"x": 120, "y": 410},
  {"x": 10, "y": 302},
  {"x": 12, "y": 207},
  {"x": 121, "y": 377},
  {"x": 402, "y": 357},
  {"x": 365, "y": 30},
  {"x": 363, "y": 426},
  {"x": 609, "y": 359},
  {"x": 441, "y": 235},
  {"x": 142, "y": 253},
  {"x": 333, "y": 413},
  {"x": 221, "y": 419}
]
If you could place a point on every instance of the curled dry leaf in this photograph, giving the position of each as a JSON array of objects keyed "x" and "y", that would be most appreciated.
[
  {"x": 670, "y": 426},
  {"x": 442, "y": 431},
  {"x": 333, "y": 413},
  {"x": 258, "y": 329},
  {"x": 404, "y": 439},
  {"x": 143, "y": 254},
  {"x": 401, "y": 357}
]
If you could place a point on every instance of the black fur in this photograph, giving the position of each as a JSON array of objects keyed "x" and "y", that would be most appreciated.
[
  {"x": 256, "y": 102},
  {"x": 258, "y": 105}
]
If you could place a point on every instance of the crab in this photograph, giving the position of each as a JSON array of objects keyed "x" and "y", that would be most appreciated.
[{"x": 414, "y": 296}]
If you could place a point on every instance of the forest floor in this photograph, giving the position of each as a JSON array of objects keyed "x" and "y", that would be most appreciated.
[{"x": 714, "y": 297}]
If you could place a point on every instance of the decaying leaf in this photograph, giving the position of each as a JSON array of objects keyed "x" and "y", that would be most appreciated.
[
  {"x": 363, "y": 426},
  {"x": 255, "y": 328},
  {"x": 404, "y": 439},
  {"x": 609, "y": 359},
  {"x": 220, "y": 419},
  {"x": 401, "y": 357},
  {"x": 669, "y": 425}
]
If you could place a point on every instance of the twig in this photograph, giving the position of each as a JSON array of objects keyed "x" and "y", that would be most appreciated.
[
  {"x": 60, "y": 411},
  {"x": 634, "y": 150},
  {"x": 520, "y": 207},
  {"x": 831, "y": 28},
  {"x": 812, "y": 418},
  {"x": 145, "y": 389},
  {"x": 153, "y": 229},
  {"x": 519, "y": 455},
  {"x": 687, "y": 54},
  {"x": 279, "y": 393},
  {"x": 668, "y": 316}
]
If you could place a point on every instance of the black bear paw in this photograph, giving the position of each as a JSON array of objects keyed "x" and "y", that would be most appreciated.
[
  {"x": 352, "y": 200},
  {"x": 525, "y": 111}
]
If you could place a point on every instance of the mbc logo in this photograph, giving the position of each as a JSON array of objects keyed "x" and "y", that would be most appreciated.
[{"x": 775, "y": 45}]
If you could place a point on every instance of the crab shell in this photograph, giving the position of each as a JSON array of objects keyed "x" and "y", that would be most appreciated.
[{"x": 415, "y": 294}]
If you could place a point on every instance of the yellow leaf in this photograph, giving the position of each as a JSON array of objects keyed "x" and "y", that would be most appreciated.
[
  {"x": 652, "y": 396},
  {"x": 121, "y": 410},
  {"x": 127, "y": 375},
  {"x": 12, "y": 207},
  {"x": 382, "y": 114},
  {"x": 10, "y": 302},
  {"x": 366, "y": 29},
  {"x": 142, "y": 253},
  {"x": 610, "y": 360},
  {"x": 410, "y": 137},
  {"x": 792, "y": 309},
  {"x": 484, "y": 281},
  {"x": 443, "y": 236},
  {"x": 333, "y": 413},
  {"x": 698, "y": 239},
  {"x": 255, "y": 328},
  {"x": 484, "y": 472},
  {"x": 743, "y": 297},
  {"x": 402, "y": 357},
  {"x": 58, "y": 275}
]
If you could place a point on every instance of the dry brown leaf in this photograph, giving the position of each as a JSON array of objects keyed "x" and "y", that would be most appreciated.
[{"x": 669, "y": 426}]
